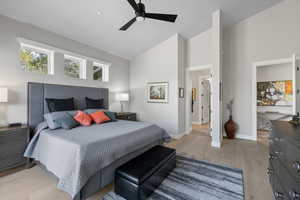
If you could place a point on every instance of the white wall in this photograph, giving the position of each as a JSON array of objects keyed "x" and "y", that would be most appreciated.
[
  {"x": 269, "y": 35},
  {"x": 275, "y": 73},
  {"x": 159, "y": 64},
  {"x": 217, "y": 61},
  {"x": 199, "y": 49},
  {"x": 15, "y": 78},
  {"x": 278, "y": 72},
  {"x": 198, "y": 55},
  {"x": 181, "y": 84}
]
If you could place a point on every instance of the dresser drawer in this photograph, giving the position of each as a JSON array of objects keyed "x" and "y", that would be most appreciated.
[
  {"x": 12, "y": 161},
  {"x": 291, "y": 160},
  {"x": 127, "y": 116},
  {"x": 277, "y": 150},
  {"x": 12, "y": 136},
  {"x": 289, "y": 184},
  {"x": 278, "y": 191},
  {"x": 13, "y": 142},
  {"x": 273, "y": 164},
  {"x": 131, "y": 117}
]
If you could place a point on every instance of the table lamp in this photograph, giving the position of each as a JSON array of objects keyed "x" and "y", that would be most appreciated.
[{"x": 122, "y": 97}]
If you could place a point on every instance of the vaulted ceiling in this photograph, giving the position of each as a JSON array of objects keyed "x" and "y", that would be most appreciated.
[{"x": 97, "y": 22}]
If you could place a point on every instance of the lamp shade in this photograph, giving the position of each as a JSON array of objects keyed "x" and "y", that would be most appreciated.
[
  {"x": 122, "y": 97},
  {"x": 3, "y": 95}
]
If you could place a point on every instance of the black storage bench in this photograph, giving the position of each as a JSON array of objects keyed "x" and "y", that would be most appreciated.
[{"x": 138, "y": 178}]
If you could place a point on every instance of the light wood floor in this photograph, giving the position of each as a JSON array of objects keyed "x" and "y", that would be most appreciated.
[
  {"x": 36, "y": 184},
  {"x": 201, "y": 127}
]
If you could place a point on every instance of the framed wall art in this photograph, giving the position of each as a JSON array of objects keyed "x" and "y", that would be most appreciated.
[{"x": 158, "y": 92}]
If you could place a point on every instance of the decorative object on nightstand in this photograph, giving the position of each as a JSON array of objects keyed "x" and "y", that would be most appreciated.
[
  {"x": 122, "y": 97},
  {"x": 13, "y": 142},
  {"x": 127, "y": 116},
  {"x": 3, "y": 99}
]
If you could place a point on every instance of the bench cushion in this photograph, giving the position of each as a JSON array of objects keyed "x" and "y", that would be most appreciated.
[
  {"x": 141, "y": 167},
  {"x": 138, "y": 178}
]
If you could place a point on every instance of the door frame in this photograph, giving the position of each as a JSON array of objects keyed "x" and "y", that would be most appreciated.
[
  {"x": 202, "y": 78},
  {"x": 188, "y": 93},
  {"x": 255, "y": 65}
]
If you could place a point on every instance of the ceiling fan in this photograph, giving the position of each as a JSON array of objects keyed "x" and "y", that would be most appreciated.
[{"x": 141, "y": 14}]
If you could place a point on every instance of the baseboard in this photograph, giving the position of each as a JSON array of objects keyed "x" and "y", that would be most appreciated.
[
  {"x": 179, "y": 136},
  {"x": 245, "y": 137},
  {"x": 197, "y": 123},
  {"x": 215, "y": 144}
]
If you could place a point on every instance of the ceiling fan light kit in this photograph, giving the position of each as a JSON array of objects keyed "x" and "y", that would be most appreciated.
[{"x": 141, "y": 15}]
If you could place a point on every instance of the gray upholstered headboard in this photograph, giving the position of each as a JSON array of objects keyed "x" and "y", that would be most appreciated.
[{"x": 38, "y": 92}]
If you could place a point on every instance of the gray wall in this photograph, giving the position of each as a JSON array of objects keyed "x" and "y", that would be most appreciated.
[
  {"x": 15, "y": 78},
  {"x": 159, "y": 64},
  {"x": 271, "y": 34}
]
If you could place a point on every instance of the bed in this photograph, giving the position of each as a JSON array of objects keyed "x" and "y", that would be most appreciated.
[{"x": 84, "y": 159}]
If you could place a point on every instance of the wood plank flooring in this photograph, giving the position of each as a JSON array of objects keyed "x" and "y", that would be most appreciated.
[{"x": 252, "y": 157}]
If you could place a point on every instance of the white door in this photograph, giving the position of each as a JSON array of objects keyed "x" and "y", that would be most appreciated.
[{"x": 204, "y": 101}]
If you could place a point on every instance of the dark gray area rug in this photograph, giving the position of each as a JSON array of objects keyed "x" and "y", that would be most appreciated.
[{"x": 197, "y": 180}]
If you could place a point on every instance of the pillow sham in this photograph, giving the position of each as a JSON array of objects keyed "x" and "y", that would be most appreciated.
[
  {"x": 111, "y": 115},
  {"x": 83, "y": 118},
  {"x": 67, "y": 122},
  {"x": 56, "y": 105},
  {"x": 90, "y": 111},
  {"x": 52, "y": 119},
  {"x": 94, "y": 103},
  {"x": 99, "y": 117}
]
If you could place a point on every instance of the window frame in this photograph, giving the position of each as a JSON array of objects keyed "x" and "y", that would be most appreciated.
[
  {"x": 105, "y": 70},
  {"x": 52, "y": 50},
  {"x": 49, "y": 53},
  {"x": 82, "y": 66}
]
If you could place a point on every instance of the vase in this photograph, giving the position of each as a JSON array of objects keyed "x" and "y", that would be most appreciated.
[{"x": 230, "y": 128}]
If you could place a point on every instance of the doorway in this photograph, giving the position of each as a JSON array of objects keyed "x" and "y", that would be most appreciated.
[
  {"x": 201, "y": 101},
  {"x": 274, "y": 94}
]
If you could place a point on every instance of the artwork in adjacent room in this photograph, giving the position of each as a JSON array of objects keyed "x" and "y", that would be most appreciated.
[
  {"x": 194, "y": 93},
  {"x": 275, "y": 93},
  {"x": 158, "y": 92}
]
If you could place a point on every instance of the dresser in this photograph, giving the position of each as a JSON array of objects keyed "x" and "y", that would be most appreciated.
[
  {"x": 284, "y": 161},
  {"x": 127, "y": 116},
  {"x": 13, "y": 141}
]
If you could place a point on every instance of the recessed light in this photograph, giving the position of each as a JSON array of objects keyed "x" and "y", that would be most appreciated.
[{"x": 99, "y": 12}]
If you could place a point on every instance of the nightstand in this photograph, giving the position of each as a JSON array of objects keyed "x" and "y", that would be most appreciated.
[
  {"x": 13, "y": 142},
  {"x": 127, "y": 116}
]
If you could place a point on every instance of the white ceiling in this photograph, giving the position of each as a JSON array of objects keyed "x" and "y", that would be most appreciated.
[{"x": 78, "y": 19}]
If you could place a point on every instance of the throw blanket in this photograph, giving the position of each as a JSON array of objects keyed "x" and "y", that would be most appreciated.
[{"x": 77, "y": 154}]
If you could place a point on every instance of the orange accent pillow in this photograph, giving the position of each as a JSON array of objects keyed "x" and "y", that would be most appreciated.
[
  {"x": 99, "y": 117},
  {"x": 83, "y": 118}
]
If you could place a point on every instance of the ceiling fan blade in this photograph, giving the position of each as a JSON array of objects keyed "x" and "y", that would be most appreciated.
[
  {"x": 126, "y": 26},
  {"x": 134, "y": 5},
  {"x": 163, "y": 17}
]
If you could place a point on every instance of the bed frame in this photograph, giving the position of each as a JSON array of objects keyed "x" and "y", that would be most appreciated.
[{"x": 36, "y": 108}]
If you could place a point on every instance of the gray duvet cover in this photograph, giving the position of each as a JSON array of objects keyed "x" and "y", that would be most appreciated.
[{"x": 75, "y": 155}]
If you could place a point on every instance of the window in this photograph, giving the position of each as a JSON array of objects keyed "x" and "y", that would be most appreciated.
[
  {"x": 75, "y": 67},
  {"x": 35, "y": 59},
  {"x": 100, "y": 72}
]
